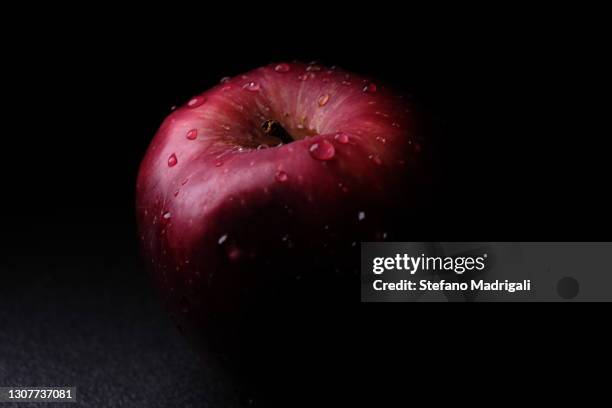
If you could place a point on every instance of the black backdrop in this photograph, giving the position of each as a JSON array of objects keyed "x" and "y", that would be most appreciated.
[{"x": 514, "y": 109}]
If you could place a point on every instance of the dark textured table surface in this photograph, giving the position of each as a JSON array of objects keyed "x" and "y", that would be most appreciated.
[{"x": 95, "y": 323}]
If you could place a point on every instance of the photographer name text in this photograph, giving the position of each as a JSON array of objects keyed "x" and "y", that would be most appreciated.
[{"x": 442, "y": 285}]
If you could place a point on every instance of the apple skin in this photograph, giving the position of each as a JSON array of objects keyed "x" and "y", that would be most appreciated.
[{"x": 255, "y": 245}]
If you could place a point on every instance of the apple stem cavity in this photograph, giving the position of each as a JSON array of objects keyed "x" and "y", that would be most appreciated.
[{"x": 273, "y": 128}]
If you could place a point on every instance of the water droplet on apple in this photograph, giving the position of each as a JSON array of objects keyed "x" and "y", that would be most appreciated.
[
  {"x": 395, "y": 125},
  {"x": 218, "y": 163},
  {"x": 192, "y": 134},
  {"x": 184, "y": 304},
  {"x": 381, "y": 139},
  {"x": 222, "y": 239},
  {"x": 341, "y": 137},
  {"x": 370, "y": 88},
  {"x": 172, "y": 160},
  {"x": 234, "y": 254},
  {"x": 322, "y": 150},
  {"x": 375, "y": 159},
  {"x": 195, "y": 102},
  {"x": 306, "y": 76},
  {"x": 346, "y": 83},
  {"x": 251, "y": 86},
  {"x": 225, "y": 79},
  {"x": 281, "y": 176},
  {"x": 282, "y": 68},
  {"x": 361, "y": 216},
  {"x": 262, "y": 146},
  {"x": 323, "y": 99}
]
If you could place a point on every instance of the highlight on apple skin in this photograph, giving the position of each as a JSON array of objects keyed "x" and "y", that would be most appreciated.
[{"x": 254, "y": 196}]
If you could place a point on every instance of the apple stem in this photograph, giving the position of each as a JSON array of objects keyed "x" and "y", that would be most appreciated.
[{"x": 274, "y": 129}]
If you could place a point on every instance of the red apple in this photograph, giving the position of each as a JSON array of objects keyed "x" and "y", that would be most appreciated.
[{"x": 253, "y": 197}]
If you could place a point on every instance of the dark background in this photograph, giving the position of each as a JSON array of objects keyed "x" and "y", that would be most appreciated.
[{"x": 514, "y": 108}]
